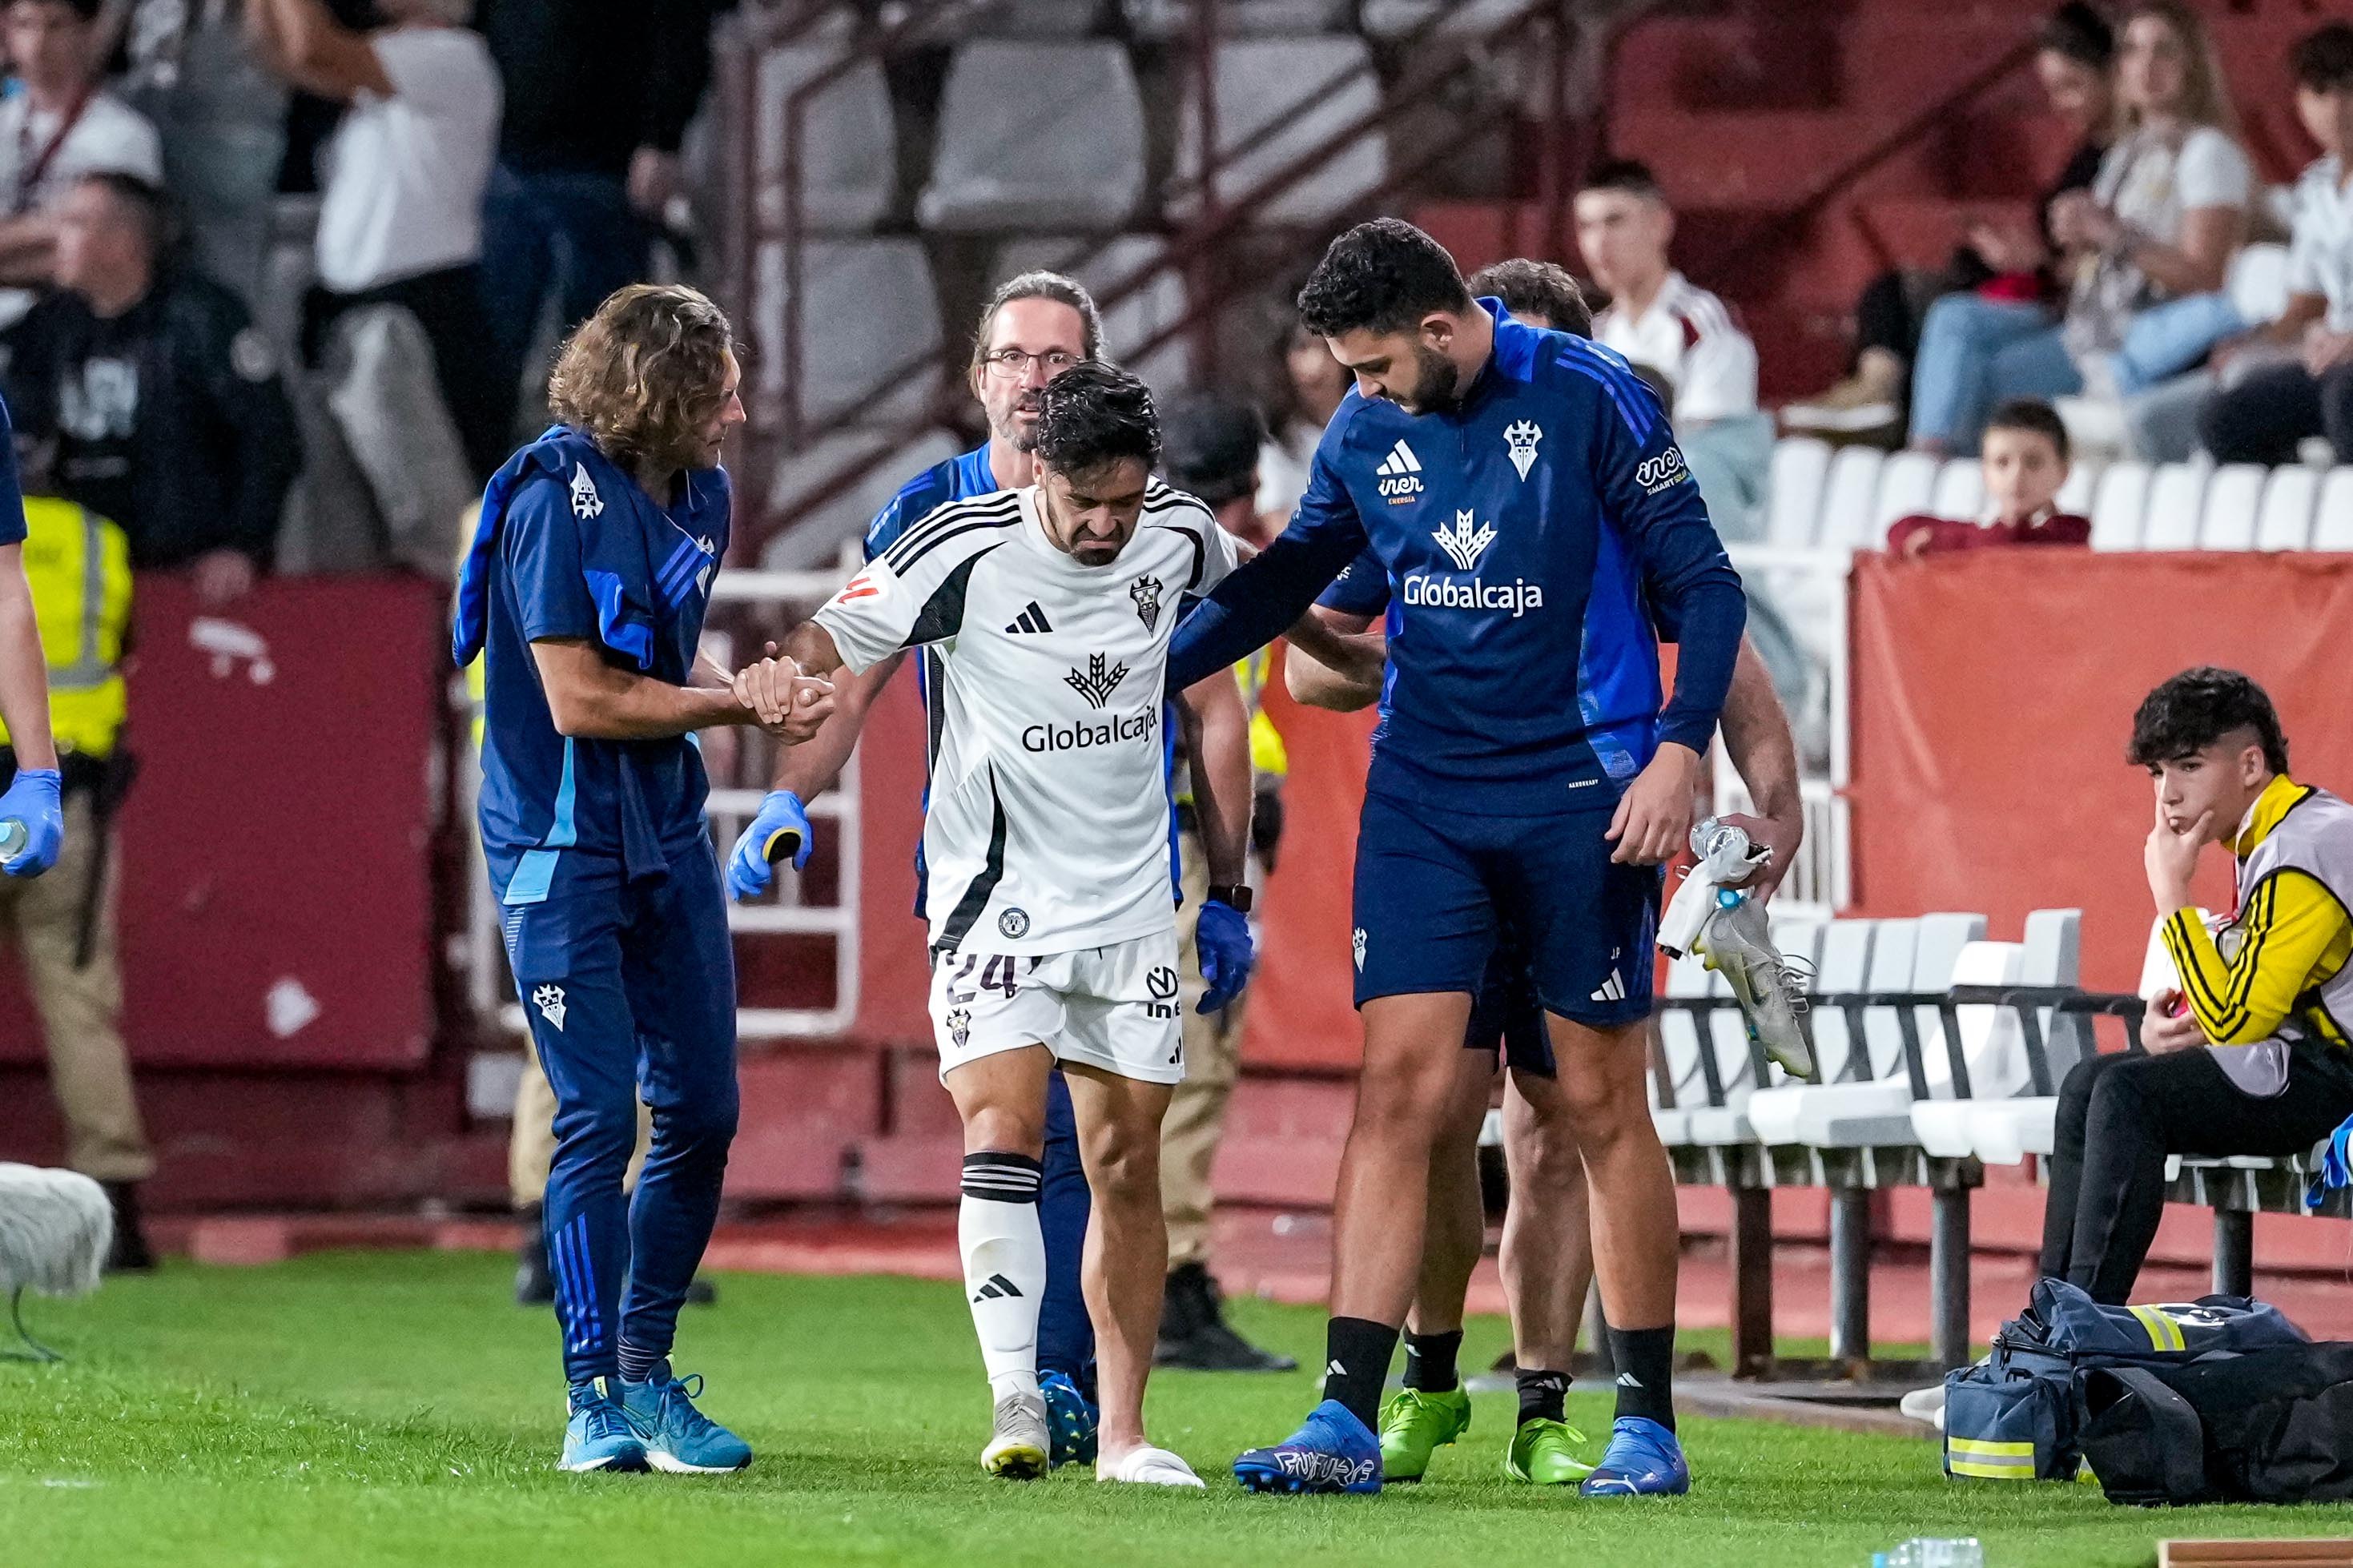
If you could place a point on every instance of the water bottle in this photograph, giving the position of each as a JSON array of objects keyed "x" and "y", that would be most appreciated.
[
  {"x": 1932, "y": 1551},
  {"x": 13, "y": 836}
]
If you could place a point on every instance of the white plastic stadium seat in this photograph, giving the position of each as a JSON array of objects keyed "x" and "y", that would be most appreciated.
[
  {"x": 815, "y": 529},
  {"x": 2082, "y": 478},
  {"x": 1886, "y": 965},
  {"x": 849, "y": 143},
  {"x": 2001, "y": 1073},
  {"x": 1037, "y": 19},
  {"x": 1727, "y": 1125},
  {"x": 1160, "y": 20},
  {"x": 1304, "y": 91},
  {"x": 2332, "y": 525},
  {"x": 2233, "y": 502},
  {"x": 1128, "y": 324},
  {"x": 1013, "y": 156},
  {"x": 1678, "y": 1037},
  {"x": 1850, "y": 500},
  {"x": 1801, "y": 466},
  {"x": 853, "y": 356},
  {"x": 1907, "y": 482},
  {"x": 1395, "y": 18},
  {"x": 1960, "y": 489},
  {"x": 2118, "y": 505},
  {"x": 2257, "y": 283},
  {"x": 1940, "y": 1125},
  {"x": 2290, "y": 498},
  {"x": 2175, "y": 498}
]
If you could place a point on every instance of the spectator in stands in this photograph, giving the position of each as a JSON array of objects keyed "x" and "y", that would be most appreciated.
[
  {"x": 59, "y": 126},
  {"x": 2263, "y": 417},
  {"x": 599, "y": 93},
  {"x": 1211, "y": 448},
  {"x": 2149, "y": 244},
  {"x": 400, "y": 216},
  {"x": 1658, "y": 319},
  {"x": 1315, "y": 384},
  {"x": 154, "y": 398},
  {"x": 2025, "y": 459},
  {"x": 2005, "y": 267}
]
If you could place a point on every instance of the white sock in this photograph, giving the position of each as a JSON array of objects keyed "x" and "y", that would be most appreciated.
[{"x": 1004, "y": 1266}]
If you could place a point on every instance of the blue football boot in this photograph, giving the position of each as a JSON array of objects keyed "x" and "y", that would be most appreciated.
[
  {"x": 598, "y": 1436},
  {"x": 1071, "y": 1418},
  {"x": 677, "y": 1437},
  {"x": 1643, "y": 1460},
  {"x": 1331, "y": 1452}
]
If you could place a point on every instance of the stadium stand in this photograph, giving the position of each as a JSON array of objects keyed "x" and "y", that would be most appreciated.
[
  {"x": 1012, "y": 156},
  {"x": 1278, "y": 100},
  {"x": 848, "y": 146}
]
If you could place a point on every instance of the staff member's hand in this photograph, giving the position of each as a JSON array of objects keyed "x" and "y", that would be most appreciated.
[
  {"x": 1781, "y": 835},
  {"x": 781, "y": 830},
  {"x": 2167, "y": 1026},
  {"x": 34, "y": 799},
  {"x": 2171, "y": 859},
  {"x": 1654, "y": 815}
]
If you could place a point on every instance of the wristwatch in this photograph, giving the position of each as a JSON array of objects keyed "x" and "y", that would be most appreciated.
[{"x": 1235, "y": 897}]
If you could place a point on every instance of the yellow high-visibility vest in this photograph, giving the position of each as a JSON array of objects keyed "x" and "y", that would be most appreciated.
[
  {"x": 1268, "y": 756},
  {"x": 80, "y": 567}
]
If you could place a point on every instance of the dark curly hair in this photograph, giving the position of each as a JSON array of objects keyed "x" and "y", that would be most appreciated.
[
  {"x": 1094, "y": 413},
  {"x": 2198, "y": 708},
  {"x": 1536, "y": 289},
  {"x": 1380, "y": 277}
]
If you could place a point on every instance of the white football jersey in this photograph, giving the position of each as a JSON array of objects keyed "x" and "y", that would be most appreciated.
[{"x": 1048, "y": 825}]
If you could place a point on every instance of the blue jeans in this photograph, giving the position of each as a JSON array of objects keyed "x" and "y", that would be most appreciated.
[
  {"x": 2165, "y": 340},
  {"x": 1975, "y": 353},
  {"x": 575, "y": 233}
]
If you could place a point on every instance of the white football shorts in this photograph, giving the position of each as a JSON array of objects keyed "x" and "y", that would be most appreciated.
[{"x": 1113, "y": 1007}]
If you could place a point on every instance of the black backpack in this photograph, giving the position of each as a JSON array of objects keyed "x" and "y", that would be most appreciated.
[{"x": 2271, "y": 1426}]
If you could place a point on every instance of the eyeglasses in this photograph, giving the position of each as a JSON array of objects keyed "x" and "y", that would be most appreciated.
[{"x": 1012, "y": 363}]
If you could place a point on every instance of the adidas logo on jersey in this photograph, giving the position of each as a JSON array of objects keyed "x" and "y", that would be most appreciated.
[
  {"x": 1032, "y": 619},
  {"x": 1612, "y": 989},
  {"x": 1399, "y": 475}
]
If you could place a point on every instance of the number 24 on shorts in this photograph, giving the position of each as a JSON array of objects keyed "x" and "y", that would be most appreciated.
[{"x": 999, "y": 974}]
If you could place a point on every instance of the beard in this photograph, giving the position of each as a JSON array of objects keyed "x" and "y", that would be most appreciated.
[
  {"x": 1019, "y": 434},
  {"x": 1437, "y": 381}
]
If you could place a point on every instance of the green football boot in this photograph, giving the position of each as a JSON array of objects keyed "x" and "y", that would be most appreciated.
[
  {"x": 1416, "y": 1424},
  {"x": 1544, "y": 1453}
]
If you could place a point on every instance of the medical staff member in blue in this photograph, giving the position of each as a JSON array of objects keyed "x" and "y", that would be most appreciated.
[
  {"x": 1525, "y": 494},
  {"x": 584, "y": 592}
]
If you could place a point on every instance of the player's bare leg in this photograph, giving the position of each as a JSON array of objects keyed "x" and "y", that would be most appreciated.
[
  {"x": 1126, "y": 1260},
  {"x": 1635, "y": 1245},
  {"x": 1413, "y": 1051},
  {"x": 1433, "y": 1409},
  {"x": 1547, "y": 1268},
  {"x": 1002, "y": 1100}
]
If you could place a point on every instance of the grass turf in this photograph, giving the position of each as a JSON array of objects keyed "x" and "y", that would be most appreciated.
[{"x": 396, "y": 1408}]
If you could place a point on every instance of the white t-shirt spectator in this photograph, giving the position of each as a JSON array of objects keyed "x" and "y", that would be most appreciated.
[
  {"x": 405, "y": 175},
  {"x": 2150, "y": 184},
  {"x": 1690, "y": 338},
  {"x": 39, "y": 164},
  {"x": 2320, "y": 252}
]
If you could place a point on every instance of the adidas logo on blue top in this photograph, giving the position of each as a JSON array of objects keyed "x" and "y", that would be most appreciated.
[{"x": 1400, "y": 475}]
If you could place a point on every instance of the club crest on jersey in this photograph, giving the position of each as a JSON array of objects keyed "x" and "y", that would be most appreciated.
[
  {"x": 1145, "y": 592},
  {"x": 1520, "y": 439},
  {"x": 585, "y": 502},
  {"x": 549, "y": 1000},
  {"x": 959, "y": 1023},
  {"x": 1399, "y": 475},
  {"x": 1465, "y": 541},
  {"x": 1096, "y": 682},
  {"x": 1014, "y": 923}
]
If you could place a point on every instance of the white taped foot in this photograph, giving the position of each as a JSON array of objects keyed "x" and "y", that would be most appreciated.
[{"x": 1149, "y": 1466}]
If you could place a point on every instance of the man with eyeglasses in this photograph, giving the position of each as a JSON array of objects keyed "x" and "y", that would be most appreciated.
[{"x": 1036, "y": 326}]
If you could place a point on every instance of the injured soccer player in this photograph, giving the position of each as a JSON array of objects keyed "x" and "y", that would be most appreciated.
[{"x": 1052, "y": 923}]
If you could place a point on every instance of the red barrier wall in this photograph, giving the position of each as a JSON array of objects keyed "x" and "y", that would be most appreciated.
[{"x": 276, "y": 899}]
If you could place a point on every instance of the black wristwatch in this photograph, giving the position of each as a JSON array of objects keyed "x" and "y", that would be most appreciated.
[{"x": 1235, "y": 897}]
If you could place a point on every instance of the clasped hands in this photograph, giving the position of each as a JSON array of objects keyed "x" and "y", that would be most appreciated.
[{"x": 786, "y": 704}]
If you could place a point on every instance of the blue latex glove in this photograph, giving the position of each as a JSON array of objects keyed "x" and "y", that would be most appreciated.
[
  {"x": 34, "y": 800},
  {"x": 781, "y": 828},
  {"x": 1223, "y": 941},
  {"x": 2335, "y": 1164}
]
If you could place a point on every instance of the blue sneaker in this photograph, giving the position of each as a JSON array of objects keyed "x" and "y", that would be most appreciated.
[
  {"x": 1071, "y": 1418},
  {"x": 599, "y": 1437},
  {"x": 1643, "y": 1460},
  {"x": 1331, "y": 1452},
  {"x": 677, "y": 1437}
]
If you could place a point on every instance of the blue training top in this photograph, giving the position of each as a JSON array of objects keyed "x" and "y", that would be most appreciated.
[
  {"x": 1531, "y": 537},
  {"x": 570, "y": 546},
  {"x": 12, "y": 494}
]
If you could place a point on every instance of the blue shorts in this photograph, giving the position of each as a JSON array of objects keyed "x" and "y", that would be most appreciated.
[
  {"x": 1505, "y": 1017},
  {"x": 1434, "y": 895}
]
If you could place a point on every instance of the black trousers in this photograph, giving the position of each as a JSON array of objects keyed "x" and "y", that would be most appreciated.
[
  {"x": 2262, "y": 419},
  {"x": 2120, "y": 1115}
]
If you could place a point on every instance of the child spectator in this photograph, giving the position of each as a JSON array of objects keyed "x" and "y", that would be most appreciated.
[
  {"x": 2263, "y": 417},
  {"x": 2025, "y": 459}
]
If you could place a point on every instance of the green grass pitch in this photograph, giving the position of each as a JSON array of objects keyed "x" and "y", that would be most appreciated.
[{"x": 355, "y": 1409}]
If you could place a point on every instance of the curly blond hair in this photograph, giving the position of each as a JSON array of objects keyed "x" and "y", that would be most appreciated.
[{"x": 645, "y": 373}]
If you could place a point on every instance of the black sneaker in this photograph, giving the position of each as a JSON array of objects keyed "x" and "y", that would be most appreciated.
[
  {"x": 130, "y": 1254},
  {"x": 534, "y": 1286},
  {"x": 1204, "y": 1342},
  {"x": 702, "y": 1292}
]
